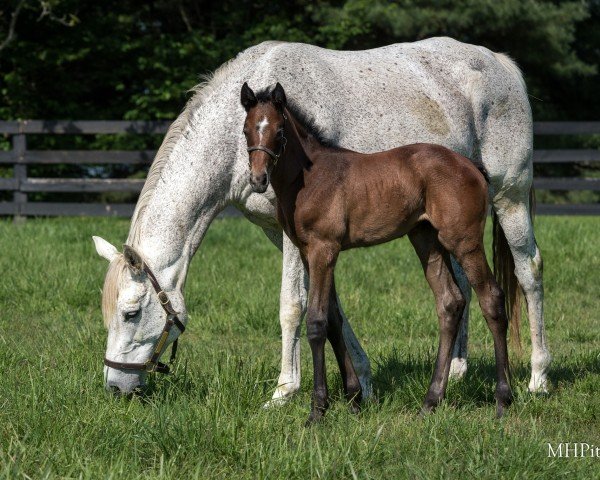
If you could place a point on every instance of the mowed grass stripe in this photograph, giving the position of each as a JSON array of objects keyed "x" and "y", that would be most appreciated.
[{"x": 206, "y": 420}]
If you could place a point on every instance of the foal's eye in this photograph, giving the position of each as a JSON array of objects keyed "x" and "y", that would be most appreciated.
[{"x": 131, "y": 315}]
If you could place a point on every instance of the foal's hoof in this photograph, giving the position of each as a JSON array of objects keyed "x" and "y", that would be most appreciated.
[
  {"x": 354, "y": 407},
  {"x": 314, "y": 417},
  {"x": 504, "y": 399},
  {"x": 425, "y": 411}
]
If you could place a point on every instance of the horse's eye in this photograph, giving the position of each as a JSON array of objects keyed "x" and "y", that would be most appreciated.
[
  {"x": 280, "y": 132},
  {"x": 131, "y": 315}
]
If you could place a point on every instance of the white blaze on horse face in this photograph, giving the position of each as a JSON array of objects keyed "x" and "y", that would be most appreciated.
[{"x": 264, "y": 123}]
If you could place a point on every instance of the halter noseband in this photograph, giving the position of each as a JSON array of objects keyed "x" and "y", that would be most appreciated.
[
  {"x": 152, "y": 364},
  {"x": 268, "y": 151}
]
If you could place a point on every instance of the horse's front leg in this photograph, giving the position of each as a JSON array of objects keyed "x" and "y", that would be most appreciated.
[
  {"x": 292, "y": 305},
  {"x": 321, "y": 259}
]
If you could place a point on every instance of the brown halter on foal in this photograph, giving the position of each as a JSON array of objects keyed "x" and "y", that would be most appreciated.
[
  {"x": 152, "y": 364},
  {"x": 331, "y": 199}
]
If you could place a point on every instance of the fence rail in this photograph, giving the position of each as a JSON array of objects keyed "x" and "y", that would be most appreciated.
[{"x": 20, "y": 157}]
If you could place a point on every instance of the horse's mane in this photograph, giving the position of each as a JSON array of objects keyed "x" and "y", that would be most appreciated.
[
  {"x": 303, "y": 117},
  {"x": 110, "y": 291},
  {"x": 201, "y": 93}
]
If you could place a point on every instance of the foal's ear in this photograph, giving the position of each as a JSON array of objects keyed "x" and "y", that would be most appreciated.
[
  {"x": 247, "y": 97},
  {"x": 133, "y": 258},
  {"x": 278, "y": 96},
  {"x": 105, "y": 249}
]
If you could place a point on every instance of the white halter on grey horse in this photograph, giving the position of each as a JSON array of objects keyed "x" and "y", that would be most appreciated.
[{"x": 440, "y": 91}]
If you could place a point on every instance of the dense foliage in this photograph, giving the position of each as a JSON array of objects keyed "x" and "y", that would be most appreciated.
[{"x": 137, "y": 59}]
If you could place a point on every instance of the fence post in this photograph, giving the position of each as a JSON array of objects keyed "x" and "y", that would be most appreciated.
[{"x": 19, "y": 144}]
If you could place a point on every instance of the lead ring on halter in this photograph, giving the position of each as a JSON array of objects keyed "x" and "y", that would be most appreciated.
[{"x": 152, "y": 364}]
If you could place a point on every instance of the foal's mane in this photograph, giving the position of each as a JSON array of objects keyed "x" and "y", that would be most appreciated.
[{"x": 305, "y": 119}]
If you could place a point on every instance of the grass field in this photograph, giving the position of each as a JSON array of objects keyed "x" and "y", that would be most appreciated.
[{"x": 206, "y": 420}]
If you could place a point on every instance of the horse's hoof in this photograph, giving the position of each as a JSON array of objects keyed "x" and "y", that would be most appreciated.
[
  {"x": 458, "y": 369},
  {"x": 274, "y": 403}
]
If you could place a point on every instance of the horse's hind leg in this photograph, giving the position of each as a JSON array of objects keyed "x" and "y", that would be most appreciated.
[
  {"x": 458, "y": 366},
  {"x": 515, "y": 219},
  {"x": 450, "y": 304},
  {"x": 352, "y": 387},
  {"x": 491, "y": 301}
]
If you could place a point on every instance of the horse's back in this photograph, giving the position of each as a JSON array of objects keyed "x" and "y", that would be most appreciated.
[{"x": 435, "y": 90}]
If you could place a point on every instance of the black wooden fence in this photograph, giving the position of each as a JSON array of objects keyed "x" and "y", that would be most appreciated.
[{"x": 20, "y": 157}]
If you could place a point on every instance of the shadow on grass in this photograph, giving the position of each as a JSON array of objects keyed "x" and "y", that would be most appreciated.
[{"x": 406, "y": 377}]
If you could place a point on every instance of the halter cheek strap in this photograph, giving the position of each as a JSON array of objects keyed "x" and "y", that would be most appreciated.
[{"x": 152, "y": 364}]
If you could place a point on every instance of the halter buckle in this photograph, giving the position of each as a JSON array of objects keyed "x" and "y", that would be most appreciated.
[
  {"x": 162, "y": 297},
  {"x": 150, "y": 366}
]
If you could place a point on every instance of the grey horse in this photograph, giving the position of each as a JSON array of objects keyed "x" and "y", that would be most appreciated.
[{"x": 439, "y": 90}]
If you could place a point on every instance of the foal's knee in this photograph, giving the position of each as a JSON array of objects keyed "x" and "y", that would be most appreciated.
[
  {"x": 316, "y": 326},
  {"x": 492, "y": 306},
  {"x": 450, "y": 309}
]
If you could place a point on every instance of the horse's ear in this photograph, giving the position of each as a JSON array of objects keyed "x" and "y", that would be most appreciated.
[
  {"x": 105, "y": 249},
  {"x": 133, "y": 258},
  {"x": 278, "y": 96},
  {"x": 247, "y": 97}
]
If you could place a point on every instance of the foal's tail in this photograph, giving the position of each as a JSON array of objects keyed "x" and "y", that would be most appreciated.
[{"x": 504, "y": 270}]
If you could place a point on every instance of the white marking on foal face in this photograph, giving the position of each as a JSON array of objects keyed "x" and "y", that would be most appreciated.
[{"x": 261, "y": 128}]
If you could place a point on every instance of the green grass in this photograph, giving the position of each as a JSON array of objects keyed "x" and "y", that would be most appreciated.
[{"x": 206, "y": 419}]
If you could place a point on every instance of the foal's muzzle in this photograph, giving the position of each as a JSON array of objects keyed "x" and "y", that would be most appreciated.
[{"x": 259, "y": 182}]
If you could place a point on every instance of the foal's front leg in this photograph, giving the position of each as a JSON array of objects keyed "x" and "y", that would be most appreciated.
[{"x": 321, "y": 260}]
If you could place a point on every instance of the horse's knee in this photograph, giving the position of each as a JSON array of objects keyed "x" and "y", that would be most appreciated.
[
  {"x": 290, "y": 314},
  {"x": 529, "y": 270}
]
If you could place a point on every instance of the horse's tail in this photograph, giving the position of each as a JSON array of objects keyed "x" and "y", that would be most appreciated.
[{"x": 504, "y": 270}]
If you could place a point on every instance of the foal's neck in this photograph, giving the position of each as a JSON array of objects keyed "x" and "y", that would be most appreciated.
[{"x": 299, "y": 155}]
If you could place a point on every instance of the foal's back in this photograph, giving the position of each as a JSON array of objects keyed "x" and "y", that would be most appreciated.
[{"x": 374, "y": 198}]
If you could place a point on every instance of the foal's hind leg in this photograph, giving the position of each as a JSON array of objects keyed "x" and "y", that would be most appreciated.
[
  {"x": 450, "y": 304},
  {"x": 491, "y": 301},
  {"x": 352, "y": 387}
]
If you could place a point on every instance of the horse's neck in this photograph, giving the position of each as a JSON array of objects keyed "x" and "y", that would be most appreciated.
[{"x": 192, "y": 187}]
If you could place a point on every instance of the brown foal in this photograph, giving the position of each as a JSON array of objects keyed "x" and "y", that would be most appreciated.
[{"x": 331, "y": 199}]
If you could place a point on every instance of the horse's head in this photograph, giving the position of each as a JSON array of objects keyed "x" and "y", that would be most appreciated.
[
  {"x": 264, "y": 131},
  {"x": 135, "y": 316}
]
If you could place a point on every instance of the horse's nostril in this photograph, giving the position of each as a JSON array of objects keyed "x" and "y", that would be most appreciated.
[{"x": 114, "y": 390}]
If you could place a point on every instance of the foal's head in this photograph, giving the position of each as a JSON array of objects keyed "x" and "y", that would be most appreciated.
[{"x": 264, "y": 131}]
